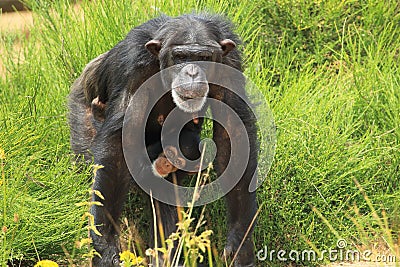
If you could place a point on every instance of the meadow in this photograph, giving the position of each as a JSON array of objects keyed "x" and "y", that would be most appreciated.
[{"x": 329, "y": 71}]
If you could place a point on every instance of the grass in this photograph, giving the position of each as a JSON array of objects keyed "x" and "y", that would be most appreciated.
[{"x": 329, "y": 70}]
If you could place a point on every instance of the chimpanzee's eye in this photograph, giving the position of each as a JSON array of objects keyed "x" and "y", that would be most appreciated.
[
  {"x": 180, "y": 58},
  {"x": 204, "y": 58}
]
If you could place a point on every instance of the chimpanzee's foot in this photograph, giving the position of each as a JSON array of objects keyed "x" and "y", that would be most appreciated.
[
  {"x": 172, "y": 154},
  {"x": 98, "y": 109},
  {"x": 245, "y": 257},
  {"x": 109, "y": 258}
]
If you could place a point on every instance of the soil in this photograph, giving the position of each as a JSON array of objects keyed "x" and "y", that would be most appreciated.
[{"x": 11, "y": 23}]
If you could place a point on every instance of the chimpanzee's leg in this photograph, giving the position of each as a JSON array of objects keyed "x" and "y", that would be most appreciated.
[
  {"x": 112, "y": 181},
  {"x": 241, "y": 203},
  {"x": 242, "y": 207}
]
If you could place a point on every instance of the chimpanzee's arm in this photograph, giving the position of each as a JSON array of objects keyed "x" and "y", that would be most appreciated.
[{"x": 241, "y": 203}]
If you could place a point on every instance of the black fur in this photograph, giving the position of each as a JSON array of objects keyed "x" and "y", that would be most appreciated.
[{"x": 116, "y": 75}]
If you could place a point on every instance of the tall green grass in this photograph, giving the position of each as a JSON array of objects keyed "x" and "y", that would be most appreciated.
[{"x": 330, "y": 71}]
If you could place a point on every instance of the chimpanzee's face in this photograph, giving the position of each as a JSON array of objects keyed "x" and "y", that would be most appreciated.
[
  {"x": 183, "y": 73},
  {"x": 189, "y": 87}
]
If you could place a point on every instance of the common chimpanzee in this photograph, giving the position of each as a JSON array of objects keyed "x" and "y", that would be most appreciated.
[{"x": 99, "y": 99}]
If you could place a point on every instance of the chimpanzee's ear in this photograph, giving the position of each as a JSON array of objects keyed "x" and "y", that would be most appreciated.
[
  {"x": 227, "y": 45},
  {"x": 154, "y": 46}
]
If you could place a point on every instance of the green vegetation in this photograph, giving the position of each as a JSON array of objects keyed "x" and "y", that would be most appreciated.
[{"x": 329, "y": 69}]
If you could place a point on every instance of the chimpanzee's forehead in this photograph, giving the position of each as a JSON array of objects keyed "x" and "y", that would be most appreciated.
[
  {"x": 195, "y": 48},
  {"x": 191, "y": 37}
]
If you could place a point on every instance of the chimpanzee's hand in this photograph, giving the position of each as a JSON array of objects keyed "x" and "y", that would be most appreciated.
[{"x": 168, "y": 162}]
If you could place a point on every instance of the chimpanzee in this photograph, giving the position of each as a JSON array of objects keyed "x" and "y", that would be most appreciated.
[{"x": 99, "y": 99}]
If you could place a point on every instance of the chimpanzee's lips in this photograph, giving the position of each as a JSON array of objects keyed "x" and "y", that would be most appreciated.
[
  {"x": 192, "y": 90},
  {"x": 186, "y": 98},
  {"x": 188, "y": 103}
]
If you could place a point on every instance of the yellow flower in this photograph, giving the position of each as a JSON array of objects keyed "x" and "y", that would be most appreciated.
[
  {"x": 129, "y": 259},
  {"x": 46, "y": 263}
]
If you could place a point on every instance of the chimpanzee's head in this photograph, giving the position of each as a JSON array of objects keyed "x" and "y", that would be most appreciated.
[{"x": 182, "y": 43}]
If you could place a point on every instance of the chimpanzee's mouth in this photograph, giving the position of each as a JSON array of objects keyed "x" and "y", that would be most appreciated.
[
  {"x": 188, "y": 103},
  {"x": 192, "y": 90},
  {"x": 187, "y": 97},
  {"x": 184, "y": 98}
]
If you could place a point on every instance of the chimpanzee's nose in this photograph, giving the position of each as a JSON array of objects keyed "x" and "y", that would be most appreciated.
[{"x": 192, "y": 70}]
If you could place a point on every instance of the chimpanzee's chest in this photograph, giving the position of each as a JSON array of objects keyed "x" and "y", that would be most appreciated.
[
  {"x": 166, "y": 114},
  {"x": 157, "y": 116}
]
